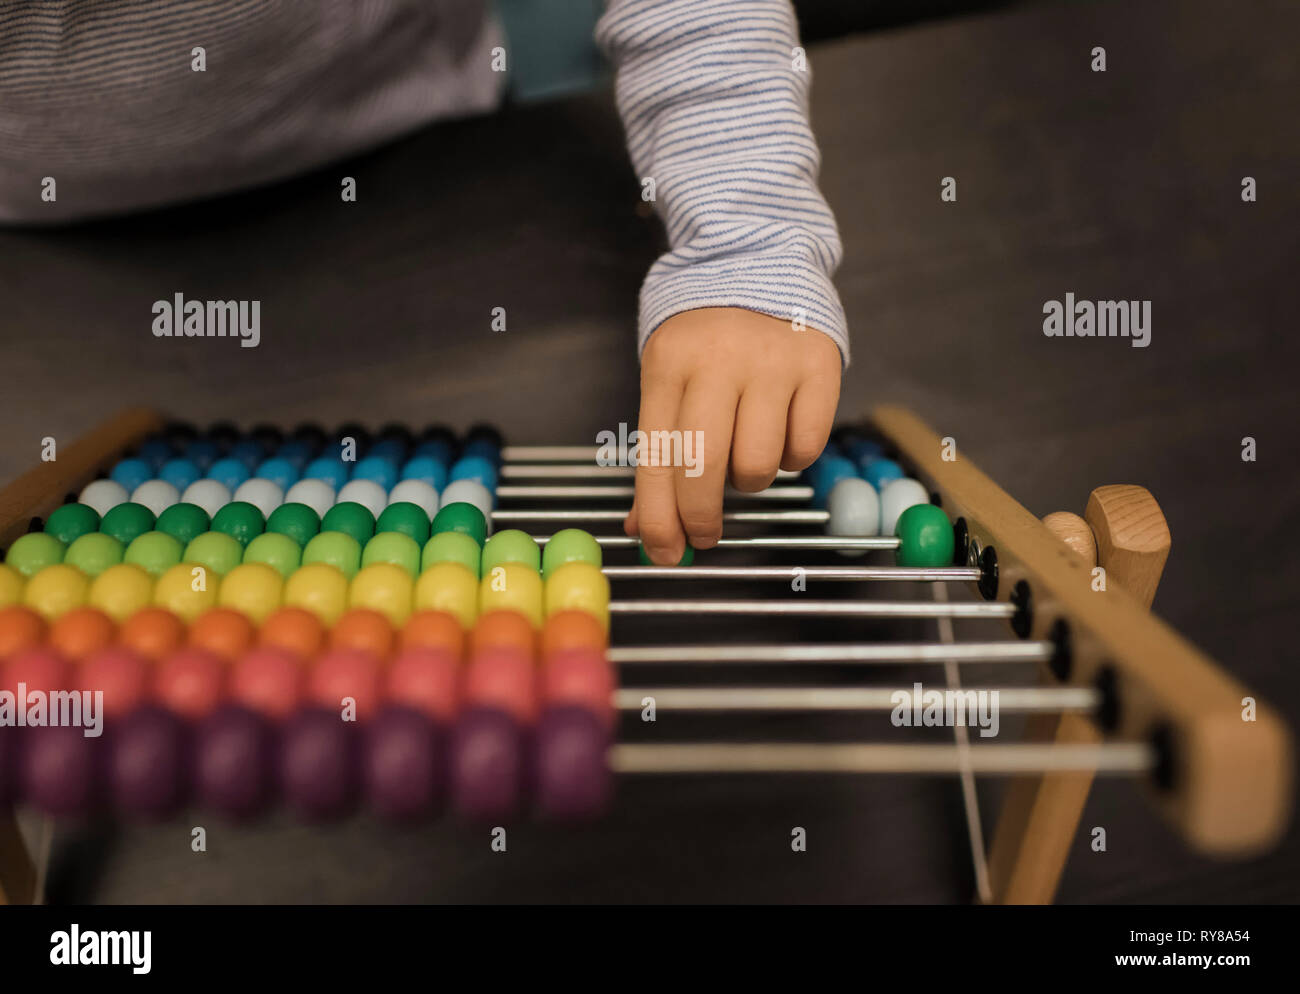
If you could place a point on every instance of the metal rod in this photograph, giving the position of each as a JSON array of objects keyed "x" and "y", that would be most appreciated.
[
  {"x": 760, "y": 542},
  {"x": 1010, "y": 700},
  {"x": 583, "y": 470},
  {"x": 902, "y": 573},
  {"x": 510, "y": 492},
  {"x": 875, "y": 653},
  {"x": 789, "y": 517},
  {"x": 1128, "y": 758},
  {"x": 860, "y": 609}
]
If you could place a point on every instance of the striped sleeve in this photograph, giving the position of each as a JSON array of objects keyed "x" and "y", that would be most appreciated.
[{"x": 714, "y": 101}]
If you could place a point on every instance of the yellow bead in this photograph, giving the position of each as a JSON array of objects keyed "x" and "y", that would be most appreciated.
[
  {"x": 120, "y": 591},
  {"x": 56, "y": 589},
  {"x": 577, "y": 586},
  {"x": 11, "y": 586},
  {"x": 448, "y": 587},
  {"x": 186, "y": 590},
  {"x": 383, "y": 587},
  {"x": 254, "y": 589},
  {"x": 512, "y": 587},
  {"x": 319, "y": 588}
]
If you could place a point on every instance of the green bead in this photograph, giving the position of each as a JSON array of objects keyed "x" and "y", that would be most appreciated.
[
  {"x": 94, "y": 552},
  {"x": 339, "y": 549},
  {"x": 71, "y": 521},
  {"x": 216, "y": 551},
  {"x": 453, "y": 547},
  {"x": 688, "y": 557},
  {"x": 153, "y": 552},
  {"x": 511, "y": 546},
  {"x": 393, "y": 547},
  {"x": 240, "y": 520},
  {"x": 127, "y": 522},
  {"x": 925, "y": 537},
  {"x": 350, "y": 518},
  {"x": 278, "y": 551},
  {"x": 569, "y": 545},
  {"x": 184, "y": 522},
  {"x": 33, "y": 552},
  {"x": 298, "y": 521},
  {"x": 407, "y": 518},
  {"x": 461, "y": 517}
]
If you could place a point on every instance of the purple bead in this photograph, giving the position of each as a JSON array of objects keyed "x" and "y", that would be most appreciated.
[
  {"x": 59, "y": 770},
  {"x": 233, "y": 748},
  {"x": 572, "y": 777},
  {"x": 318, "y": 764},
  {"x": 148, "y": 763},
  {"x": 487, "y": 764},
  {"x": 402, "y": 764},
  {"x": 8, "y": 765}
]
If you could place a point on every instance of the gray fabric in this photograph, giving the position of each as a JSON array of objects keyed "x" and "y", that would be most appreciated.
[{"x": 103, "y": 97}]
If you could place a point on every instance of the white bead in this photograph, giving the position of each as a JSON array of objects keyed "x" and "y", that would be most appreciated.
[
  {"x": 415, "y": 492},
  {"x": 210, "y": 495},
  {"x": 895, "y": 498},
  {"x": 367, "y": 493},
  {"x": 854, "y": 509},
  {"x": 316, "y": 494},
  {"x": 103, "y": 495},
  {"x": 157, "y": 495},
  {"x": 468, "y": 492},
  {"x": 261, "y": 493}
]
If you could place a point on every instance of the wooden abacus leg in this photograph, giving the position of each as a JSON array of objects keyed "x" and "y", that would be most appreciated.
[
  {"x": 1126, "y": 534},
  {"x": 17, "y": 871}
]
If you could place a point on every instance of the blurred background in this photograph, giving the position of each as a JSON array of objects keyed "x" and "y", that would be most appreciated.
[{"x": 1117, "y": 185}]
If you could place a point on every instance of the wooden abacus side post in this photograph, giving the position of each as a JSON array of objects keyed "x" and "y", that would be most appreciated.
[
  {"x": 1125, "y": 533},
  {"x": 36, "y": 494}
]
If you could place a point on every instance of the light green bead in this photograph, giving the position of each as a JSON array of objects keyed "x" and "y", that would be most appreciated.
[
  {"x": 339, "y": 549},
  {"x": 393, "y": 547},
  {"x": 278, "y": 551},
  {"x": 33, "y": 552},
  {"x": 570, "y": 545},
  {"x": 453, "y": 547},
  {"x": 216, "y": 551},
  {"x": 94, "y": 552},
  {"x": 153, "y": 552},
  {"x": 511, "y": 546}
]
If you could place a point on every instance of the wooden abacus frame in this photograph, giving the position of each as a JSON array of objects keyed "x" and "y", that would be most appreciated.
[{"x": 1223, "y": 781}]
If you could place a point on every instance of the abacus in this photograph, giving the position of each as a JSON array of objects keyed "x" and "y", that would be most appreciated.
[{"x": 271, "y": 621}]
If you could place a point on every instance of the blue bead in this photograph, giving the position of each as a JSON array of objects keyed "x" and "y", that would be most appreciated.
[
  {"x": 878, "y": 472},
  {"x": 434, "y": 448},
  {"x": 483, "y": 448},
  {"x": 295, "y": 452},
  {"x": 155, "y": 451},
  {"x": 829, "y": 473},
  {"x": 432, "y": 471},
  {"x": 382, "y": 471},
  {"x": 392, "y": 449},
  {"x": 863, "y": 449},
  {"x": 131, "y": 473},
  {"x": 331, "y": 469},
  {"x": 180, "y": 473},
  {"x": 203, "y": 452},
  {"x": 475, "y": 468},
  {"x": 279, "y": 471},
  {"x": 230, "y": 473},
  {"x": 248, "y": 451},
  {"x": 832, "y": 451}
]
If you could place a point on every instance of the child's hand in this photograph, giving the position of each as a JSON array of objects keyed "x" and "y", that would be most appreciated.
[{"x": 760, "y": 394}]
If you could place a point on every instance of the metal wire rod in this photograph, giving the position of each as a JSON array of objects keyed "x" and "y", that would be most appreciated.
[
  {"x": 799, "y": 607},
  {"x": 1011, "y": 700},
  {"x": 875, "y": 653},
  {"x": 904, "y": 573}
]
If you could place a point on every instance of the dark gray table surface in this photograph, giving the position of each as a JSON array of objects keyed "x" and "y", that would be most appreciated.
[{"x": 1123, "y": 184}]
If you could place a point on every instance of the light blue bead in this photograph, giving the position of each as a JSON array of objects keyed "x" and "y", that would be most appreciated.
[
  {"x": 331, "y": 469},
  {"x": 828, "y": 474},
  {"x": 428, "y": 469},
  {"x": 131, "y": 473},
  {"x": 180, "y": 473},
  {"x": 229, "y": 472},
  {"x": 383, "y": 471},
  {"x": 279, "y": 471},
  {"x": 832, "y": 451},
  {"x": 879, "y": 472},
  {"x": 202, "y": 452},
  {"x": 475, "y": 468}
]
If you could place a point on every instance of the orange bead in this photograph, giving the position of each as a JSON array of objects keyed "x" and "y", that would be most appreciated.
[
  {"x": 295, "y": 629},
  {"x": 223, "y": 631},
  {"x": 503, "y": 630},
  {"x": 80, "y": 632},
  {"x": 363, "y": 629},
  {"x": 153, "y": 632},
  {"x": 20, "y": 628},
  {"x": 573, "y": 630},
  {"x": 433, "y": 630}
]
